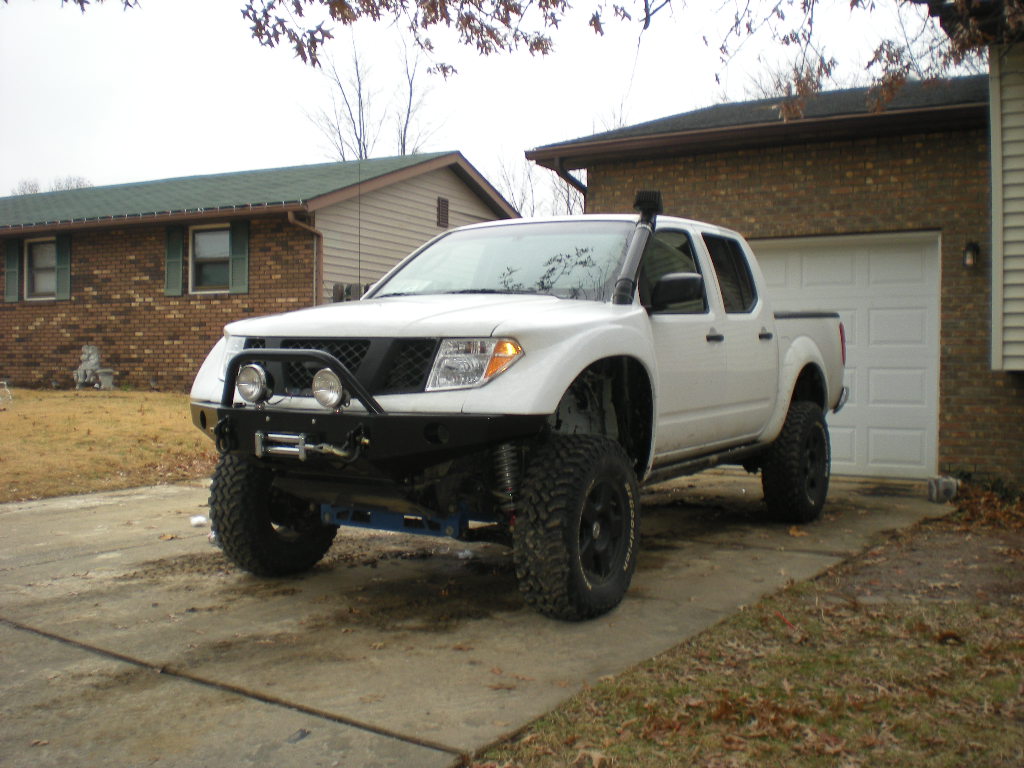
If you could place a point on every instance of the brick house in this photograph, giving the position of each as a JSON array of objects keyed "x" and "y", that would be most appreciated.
[
  {"x": 151, "y": 272},
  {"x": 884, "y": 216}
]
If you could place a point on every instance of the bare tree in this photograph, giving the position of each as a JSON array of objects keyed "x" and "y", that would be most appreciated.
[
  {"x": 27, "y": 187},
  {"x": 410, "y": 132},
  {"x": 32, "y": 186},
  {"x": 349, "y": 125},
  {"x": 358, "y": 110},
  {"x": 517, "y": 184},
  {"x": 491, "y": 26}
]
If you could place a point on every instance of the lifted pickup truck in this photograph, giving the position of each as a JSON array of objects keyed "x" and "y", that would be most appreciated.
[{"x": 516, "y": 381}]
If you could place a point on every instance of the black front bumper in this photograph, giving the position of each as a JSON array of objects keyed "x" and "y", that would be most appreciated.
[{"x": 391, "y": 442}]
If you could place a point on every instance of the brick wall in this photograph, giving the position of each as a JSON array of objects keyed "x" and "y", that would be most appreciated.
[
  {"x": 902, "y": 183},
  {"x": 118, "y": 303}
]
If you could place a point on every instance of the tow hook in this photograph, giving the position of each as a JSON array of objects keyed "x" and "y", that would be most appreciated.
[{"x": 223, "y": 435}]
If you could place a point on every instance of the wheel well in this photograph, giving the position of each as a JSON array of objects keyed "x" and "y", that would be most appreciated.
[
  {"x": 810, "y": 385},
  {"x": 611, "y": 397}
]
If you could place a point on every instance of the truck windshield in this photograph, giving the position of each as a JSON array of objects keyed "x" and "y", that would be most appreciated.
[{"x": 567, "y": 259}]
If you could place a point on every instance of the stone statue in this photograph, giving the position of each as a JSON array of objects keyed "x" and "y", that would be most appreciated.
[{"x": 87, "y": 373}]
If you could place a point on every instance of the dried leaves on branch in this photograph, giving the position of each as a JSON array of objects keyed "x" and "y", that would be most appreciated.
[{"x": 913, "y": 46}]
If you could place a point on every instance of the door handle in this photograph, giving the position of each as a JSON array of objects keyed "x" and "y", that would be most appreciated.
[
  {"x": 765, "y": 335},
  {"x": 714, "y": 337}
]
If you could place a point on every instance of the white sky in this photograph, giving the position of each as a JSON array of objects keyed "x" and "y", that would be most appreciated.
[{"x": 179, "y": 87}]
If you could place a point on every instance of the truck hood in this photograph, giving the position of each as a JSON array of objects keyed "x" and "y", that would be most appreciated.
[{"x": 444, "y": 315}]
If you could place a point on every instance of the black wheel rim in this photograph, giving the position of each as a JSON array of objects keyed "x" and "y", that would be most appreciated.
[
  {"x": 290, "y": 519},
  {"x": 602, "y": 532},
  {"x": 814, "y": 470}
]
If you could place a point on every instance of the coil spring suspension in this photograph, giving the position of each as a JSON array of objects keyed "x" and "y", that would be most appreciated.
[{"x": 506, "y": 475}]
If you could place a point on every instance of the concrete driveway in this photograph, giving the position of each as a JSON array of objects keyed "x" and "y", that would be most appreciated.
[{"x": 128, "y": 640}]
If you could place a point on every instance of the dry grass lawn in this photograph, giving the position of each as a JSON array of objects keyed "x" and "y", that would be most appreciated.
[{"x": 58, "y": 443}]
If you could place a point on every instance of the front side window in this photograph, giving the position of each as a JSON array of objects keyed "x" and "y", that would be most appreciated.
[
  {"x": 211, "y": 259},
  {"x": 668, "y": 252},
  {"x": 733, "y": 270},
  {"x": 41, "y": 270},
  {"x": 569, "y": 260}
]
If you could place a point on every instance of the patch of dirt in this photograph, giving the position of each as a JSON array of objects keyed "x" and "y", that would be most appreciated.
[{"x": 939, "y": 561}]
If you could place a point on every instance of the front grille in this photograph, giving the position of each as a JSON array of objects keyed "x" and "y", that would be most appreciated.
[
  {"x": 410, "y": 365},
  {"x": 299, "y": 376}
]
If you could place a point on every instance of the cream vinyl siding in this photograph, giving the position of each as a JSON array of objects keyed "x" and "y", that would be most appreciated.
[
  {"x": 366, "y": 236},
  {"x": 1007, "y": 121}
]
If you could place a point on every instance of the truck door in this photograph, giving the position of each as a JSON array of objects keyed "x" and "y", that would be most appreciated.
[
  {"x": 691, "y": 363},
  {"x": 749, "y": 340}
]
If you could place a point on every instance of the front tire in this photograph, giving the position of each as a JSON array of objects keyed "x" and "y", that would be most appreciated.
[
  {"x": 795, "y": 470},
  {"x": 576, "y": 535},
  {"x": 261, "y": 529}
]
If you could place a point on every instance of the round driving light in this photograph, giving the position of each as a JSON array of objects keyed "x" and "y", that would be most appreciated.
[
  {"x": 328, "y": 390},
  {"x": 252, "y": 383}
]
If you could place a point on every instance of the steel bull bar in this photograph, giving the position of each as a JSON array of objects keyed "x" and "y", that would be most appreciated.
[{"x": 413, "y": 440}]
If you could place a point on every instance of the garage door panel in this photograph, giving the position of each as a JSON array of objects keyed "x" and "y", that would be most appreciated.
[
  {"x": 898, "y": 327},
  {"x": 829, "y": 271},
  {"x": 889, "y": 269},
  {"x": 886, "y": 289},
  {"x": 905, "y": 387},
  {"x": 896, "y": 448},
  {"x": 844, "y": 445}
]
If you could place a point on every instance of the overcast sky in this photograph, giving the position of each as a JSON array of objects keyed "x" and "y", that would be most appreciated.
[{"x": 179, "y": 87}]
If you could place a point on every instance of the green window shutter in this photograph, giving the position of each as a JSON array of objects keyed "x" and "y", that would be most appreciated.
[
  {"x": 12, "y": 270},
  {"x": 173, "y": 261},
  {"x": 63, "y": 267},
  {"x": 238, "y": 279}
]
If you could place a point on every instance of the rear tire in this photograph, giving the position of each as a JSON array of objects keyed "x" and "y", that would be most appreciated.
[
  {"x": 577, "y": 532},
  {"x": 795, "y": 470},
  {"x": 261, "y": 529}
]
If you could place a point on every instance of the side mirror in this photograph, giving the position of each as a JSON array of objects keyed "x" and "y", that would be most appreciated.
[{"x": 677, "y": 288}]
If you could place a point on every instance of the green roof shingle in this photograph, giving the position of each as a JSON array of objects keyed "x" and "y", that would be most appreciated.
[{"x": 194, "y": 194}]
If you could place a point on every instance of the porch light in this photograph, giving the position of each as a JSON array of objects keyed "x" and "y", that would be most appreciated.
[{"x": 972, "y": 252}]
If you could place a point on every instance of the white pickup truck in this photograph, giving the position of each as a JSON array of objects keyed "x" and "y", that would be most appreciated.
[{"x": 515, "y": 381}]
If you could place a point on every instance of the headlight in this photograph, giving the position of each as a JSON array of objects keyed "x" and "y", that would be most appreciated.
[
  {"x": 253, "y": 383},
  {"x": 328, "y": 389},
  {"x": 464, "y": 363}
]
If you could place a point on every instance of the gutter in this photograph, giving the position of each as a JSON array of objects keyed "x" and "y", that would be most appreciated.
[
  {"x": 568, "y": 178},
  {"x": 318, "y": 239}
]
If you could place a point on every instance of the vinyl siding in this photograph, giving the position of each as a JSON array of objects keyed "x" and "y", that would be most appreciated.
[
  {"x": 365, "y": 237},
  {"x": 1007, "y": 105}
]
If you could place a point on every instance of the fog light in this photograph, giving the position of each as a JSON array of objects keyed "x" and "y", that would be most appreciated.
[
  {"x": 253, "y": 384},
  {"x": 328, "y": 389}
]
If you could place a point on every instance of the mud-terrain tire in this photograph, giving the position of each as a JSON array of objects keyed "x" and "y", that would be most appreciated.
[
  {"x": 262, "y": 530},
  {"x": 795, "y": 469},
  {"x": 578, "y": 528}
]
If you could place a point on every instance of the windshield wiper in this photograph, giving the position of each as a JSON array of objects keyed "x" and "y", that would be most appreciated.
[{"x": 484, "y": 290}]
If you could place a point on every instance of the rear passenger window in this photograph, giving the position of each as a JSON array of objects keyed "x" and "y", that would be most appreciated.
[
  {"x": 668, "y": 252},
  {"x": 733, "y": 270}
]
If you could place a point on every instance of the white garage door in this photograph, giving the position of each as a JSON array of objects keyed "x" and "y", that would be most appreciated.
[{"x": 886, "y": 289}]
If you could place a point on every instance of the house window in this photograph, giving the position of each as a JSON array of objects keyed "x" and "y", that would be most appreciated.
[
  {"x": 211, "y": 258},
  {"x": 442, "y": 212},
  {"x": 41, "y": 269}
]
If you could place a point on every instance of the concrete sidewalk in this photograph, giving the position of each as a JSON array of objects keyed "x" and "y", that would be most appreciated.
[{"x": 128, "y": 640}]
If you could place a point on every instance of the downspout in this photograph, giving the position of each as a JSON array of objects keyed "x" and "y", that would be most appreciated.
[
  {"x": 568, "y": 178},
  {"x": 317, "y": 242}
]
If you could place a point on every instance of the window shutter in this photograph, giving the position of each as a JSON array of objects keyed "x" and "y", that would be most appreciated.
[
  {"x": 173, "y": 261},
  {"x": 12, "y": 269},
  {"x": 63, "y": 267},
  {"x": 238, "y": 273}
]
